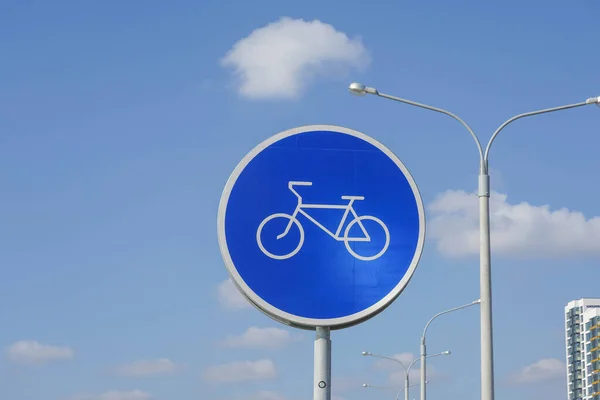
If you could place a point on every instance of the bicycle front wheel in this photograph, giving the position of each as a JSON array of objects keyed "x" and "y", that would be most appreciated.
[{"x": 278, "y": 245}]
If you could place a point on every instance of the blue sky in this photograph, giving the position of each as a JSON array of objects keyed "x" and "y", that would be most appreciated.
[{"x": 120, "y": 126}]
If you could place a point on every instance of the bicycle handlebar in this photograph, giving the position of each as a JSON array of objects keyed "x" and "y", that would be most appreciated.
[
  {"x": 299, "y": 183},
  {"x": 291, "y": 185}
]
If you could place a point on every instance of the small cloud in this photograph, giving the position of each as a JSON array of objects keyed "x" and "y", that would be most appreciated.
[
  {"x": 140, "y": 368},
  {"x": 32, "y": 352},
  {"x": 546, "y": 369},
  {"x": 266, "y": 338},
  {"x": 114, "y": 395},
  {"x": 241, "y": 371},
  {"x": 281, "y": 59},
  {"x": 518, "y": 230},
  {"x": 230, "y": 297}
]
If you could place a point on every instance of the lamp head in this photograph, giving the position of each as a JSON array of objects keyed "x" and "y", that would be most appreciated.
[
  {"x": 447, "y": 352},
  {"x": 366, "y": 353},
  {"x": 366, "y": 385},
  {"x": 594, "y": 100},
  {"x": 357, "y": 89}
]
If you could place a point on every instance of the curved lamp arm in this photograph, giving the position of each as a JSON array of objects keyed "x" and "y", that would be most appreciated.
[
  {"x": 361, "y": 90},
  {"x": 441, "y": 111},
  {"x": 446, "y": 312},
  {"x": 591, "y": 100},
  {"x": 366, "y": 353}
]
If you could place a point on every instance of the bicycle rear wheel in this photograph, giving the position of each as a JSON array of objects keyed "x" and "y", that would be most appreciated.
[{"x": 383, "y": 229}]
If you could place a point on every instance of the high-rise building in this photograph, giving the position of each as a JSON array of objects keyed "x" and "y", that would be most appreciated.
[{"x": 582, "y": 325}]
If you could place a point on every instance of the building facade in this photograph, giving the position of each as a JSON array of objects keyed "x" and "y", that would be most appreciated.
[{"x": 582, "y": 326}]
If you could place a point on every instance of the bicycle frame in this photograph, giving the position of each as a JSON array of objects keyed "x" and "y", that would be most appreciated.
[{"x": 348, "y": 209}]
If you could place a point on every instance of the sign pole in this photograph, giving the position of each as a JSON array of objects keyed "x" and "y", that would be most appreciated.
[{"x": 322, "y": 389}]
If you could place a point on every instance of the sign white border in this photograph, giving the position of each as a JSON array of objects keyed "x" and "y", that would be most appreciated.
[{"x": 290, "y": 319}]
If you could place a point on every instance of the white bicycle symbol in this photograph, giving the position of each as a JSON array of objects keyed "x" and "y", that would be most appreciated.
[{"x": 293, "y": 221}]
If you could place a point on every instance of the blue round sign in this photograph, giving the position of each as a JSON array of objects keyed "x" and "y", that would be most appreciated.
[{"x": 321, "y": 226}]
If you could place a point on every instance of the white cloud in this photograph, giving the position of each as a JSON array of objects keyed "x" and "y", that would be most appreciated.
[
  {"x": 519, "y": 230},
  {"x": 114, "y": 395},
  {"x": 32, "y": 352},
  {"x": 543, "y": 370},
  {"x": 160, "y": 366},
  {"x": 280, "y": 59},
  {"x": 241, "y": 371},
  {"x": 230, "y": 297},
  {"x": 255, "y": 337}
]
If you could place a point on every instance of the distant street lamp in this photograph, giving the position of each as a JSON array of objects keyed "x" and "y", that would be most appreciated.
[
  {"x": 406, "y": 370},
  {"x": 424, "y": 347}
]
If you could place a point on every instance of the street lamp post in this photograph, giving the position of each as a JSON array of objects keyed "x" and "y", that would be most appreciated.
[
  {"x": 485, "y": 284},
  {"x": 424, "y": 346},
  {"x": 406, "y": 370}
]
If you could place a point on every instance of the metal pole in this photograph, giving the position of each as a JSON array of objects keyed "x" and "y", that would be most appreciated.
[
  {"x": 423, "y": 368},
  {"x": 322, "y": 377},
  {"x": 406, "y": 386},
  {"x": 485, "y": 288}
]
